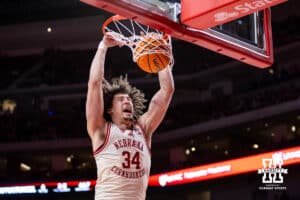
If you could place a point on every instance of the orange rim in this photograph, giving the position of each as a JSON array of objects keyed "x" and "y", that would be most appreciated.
[
  {"x": 111, "y": 19},
  {"x": 119, "y": 18}
]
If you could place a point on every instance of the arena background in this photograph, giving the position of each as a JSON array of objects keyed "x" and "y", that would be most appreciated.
[{"x": 222, "y": 109}]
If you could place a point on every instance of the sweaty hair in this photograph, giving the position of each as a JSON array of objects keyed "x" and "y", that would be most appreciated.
[{"x": 121, "y": 86}]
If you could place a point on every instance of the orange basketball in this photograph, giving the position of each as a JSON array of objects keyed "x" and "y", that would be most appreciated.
[{"x": 150, "y": 61}]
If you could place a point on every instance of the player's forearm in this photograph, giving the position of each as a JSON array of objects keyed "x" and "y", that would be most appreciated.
[
  {"x": 97, "y": 67},
  {"x": 166, "y": 81}
]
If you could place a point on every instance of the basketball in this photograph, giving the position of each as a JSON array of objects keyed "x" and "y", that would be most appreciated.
[{"x": 152, "y": 58}]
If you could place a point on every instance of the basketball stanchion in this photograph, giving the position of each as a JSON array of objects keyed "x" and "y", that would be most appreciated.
[{"x": 151, "y": 49}]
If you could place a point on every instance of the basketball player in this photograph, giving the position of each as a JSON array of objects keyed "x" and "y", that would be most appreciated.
[{"x": 120, "y": 132}]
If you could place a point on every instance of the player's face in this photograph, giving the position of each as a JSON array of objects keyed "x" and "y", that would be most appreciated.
[{"x": 122, "y": 106}]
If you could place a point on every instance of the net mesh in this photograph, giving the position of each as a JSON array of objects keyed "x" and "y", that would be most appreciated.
[{"x": 141, "y": 39}]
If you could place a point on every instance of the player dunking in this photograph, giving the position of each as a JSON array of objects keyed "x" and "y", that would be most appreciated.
[{"x": 120, "y": 133}]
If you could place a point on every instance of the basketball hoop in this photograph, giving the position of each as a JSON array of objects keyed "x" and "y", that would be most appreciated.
[{"x": 151, "y": 49}]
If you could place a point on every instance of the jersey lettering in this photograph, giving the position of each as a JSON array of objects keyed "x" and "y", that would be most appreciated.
[{"x": 128, "y": 142}]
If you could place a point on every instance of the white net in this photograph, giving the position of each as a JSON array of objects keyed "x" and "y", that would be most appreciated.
[{"x": 141, "y": 39}]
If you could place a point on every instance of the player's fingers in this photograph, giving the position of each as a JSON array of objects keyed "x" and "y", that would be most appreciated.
[{"x": 112, "y": 39}]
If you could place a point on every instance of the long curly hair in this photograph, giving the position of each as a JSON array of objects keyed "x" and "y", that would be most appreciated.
[{"x": 121, "y": 86}]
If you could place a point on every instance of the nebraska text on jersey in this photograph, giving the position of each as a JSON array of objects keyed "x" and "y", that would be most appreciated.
[{"x": 128, "y": 143}]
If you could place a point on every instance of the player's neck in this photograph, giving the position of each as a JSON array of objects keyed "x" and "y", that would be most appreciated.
[{"x": 124, "y": 124}]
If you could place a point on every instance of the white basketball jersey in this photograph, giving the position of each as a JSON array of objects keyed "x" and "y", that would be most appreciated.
[{"x": 123, "y": 165}]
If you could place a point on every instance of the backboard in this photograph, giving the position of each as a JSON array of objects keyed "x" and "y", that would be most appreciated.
[{"x": 238, "y": 29}]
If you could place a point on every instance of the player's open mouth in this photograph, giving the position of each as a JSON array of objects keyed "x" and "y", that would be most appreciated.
[{"x": 127, "y": 110}]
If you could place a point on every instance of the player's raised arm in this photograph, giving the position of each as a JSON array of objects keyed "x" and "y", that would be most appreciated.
[
  {"x": 94, "y": 102},
  {"x": 159, "y": 103}
]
